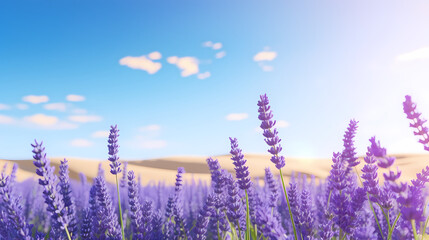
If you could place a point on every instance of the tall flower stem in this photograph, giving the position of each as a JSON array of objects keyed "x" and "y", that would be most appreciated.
[
  {"x": 247, "y": 217},
  {"x": 120, "y": 209},
  {"x": 413, "y": 224},
  {"x": 288, "y": 206}
]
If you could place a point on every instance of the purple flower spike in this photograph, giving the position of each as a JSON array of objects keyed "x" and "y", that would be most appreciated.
[
  {"x": 241, "y": 170},
  {"x": 349, "y": 153},
  {"x": 203, "y": 218},
  {"x": 115, "y": 165},
  {"x": 52, "y": 197},
  {"x": 270, "y": 134},
  {"x": 416, "y": 122},
  {"x": 273, "y": 186}
]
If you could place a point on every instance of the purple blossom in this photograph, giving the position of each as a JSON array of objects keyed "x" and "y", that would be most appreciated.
[
  {"x": 270, "y": 133},
  {"x": 52, "y": 197},
  {"x": 349, "y": 153},
  {"x": 86, "y": 226},
  {"x": 17, "y": 227},
  {"x": 115, "y": 165},
  {"x": 273, "y": 187},
  {"x": 203, "y": 219},
  {"x": 106, "y": 212},
  {"x": 65, "y": 190},
  {"x": 241, "y": 170},
  {"x": 135, "y": 208},
  {"x": 416, "y": 122}
]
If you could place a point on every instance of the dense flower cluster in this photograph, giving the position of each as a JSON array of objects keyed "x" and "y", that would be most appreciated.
[{"x": 347, "y": 205}]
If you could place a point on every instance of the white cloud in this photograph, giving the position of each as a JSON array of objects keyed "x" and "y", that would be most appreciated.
[
  {"x": 204, "y": 75},
  {"x": 220, "y": 55},
  {"x": 35, "y": 99},
  {"x": 6, "y": 119},
  {"x": 55, "y": 106},
  {"x": 75, "y": 98},
  {"x": 152, "y": 144},
  {"x": 155, "y": 55},
  {"x": 236, "y": 116},
  {"x": 188, "y": 65},
  {"x": 217, "y": 46},
  {"x": 100, "y": 134},
  {"x": 142, "y": 63},
  {"x": 282, "y": 124},
  {"x": 419, "y": 54},
  {"x": 4, "y": 107},
  {"x": 81, "y": 143},
  {"x": 47, "y": 122},
  {"x": 85, "y": 118},
  {"x": 265, "y": 56},
  {"x": 208, "y": 44},
  {"x": 150, "y": 128},
  {"x": 214, "y": 46},
  {"x": 22, "y": 106},
  {"x": 42, "y": 119}
]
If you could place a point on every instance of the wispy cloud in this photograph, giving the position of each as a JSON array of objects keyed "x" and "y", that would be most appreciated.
[
  {"x": 85, "y": 118},
  {"x": 265, "y": 56},
  {"x": 47, "y": 122},
  {"x": 100, "y": 134},
  {"x": 150, "y": 128},
  {"x": 204, "y": 75},
  {"x": 155, "y": 55},
  {"x": 188, "y": 65},
  {"x": 4, "y": 106},
  {"x": 214, "y": 46},
  {"x": 418, "y": 54},
  {"x": 81, "y": 143},
  {"x": 236, "y": 116},
  {"x": 6, "y": 120},
  {"x": 75, "y": 98},
  {"x": 55, "y": 106},
  {"x": 143, "y": 63},
  {"x": 220, "y": 55},
  {"x": 35, "y": 99},
  {"x": 22, "y": 106}
]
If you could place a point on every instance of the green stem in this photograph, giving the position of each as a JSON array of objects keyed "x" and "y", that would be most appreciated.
[
  {"x": 389, "y": 237},
  {"x": 288, "y": 206},
  {"x": 120, "y": 209},
  {"x": 67, "y": 231},
  {"x": 329, "y": 199},
  {"x": 247, "y": 217},
  {"x": 413, "y": 224}
]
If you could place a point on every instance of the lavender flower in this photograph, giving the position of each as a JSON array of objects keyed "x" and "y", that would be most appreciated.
[
  {"x": 135, "y": 208},
  {"x": 203, "y": 219},
  {"x": 115, "y": 165},
  {"x": 86, "y": 226},
  {"x": 241, "y": 170},
  {"x": 123, "y": 182},
  {"x": 106, "y": 211},
  {"x": 271, "y": 137},
  {"x": 65, "y": 190},
  {"x": 416, "y": 122},
  {"x": 17, "y": 227},
  {"x": 273, "y": 186},
  {"x": 349, "y": 154},
  {"x": 52, "y": 197}
]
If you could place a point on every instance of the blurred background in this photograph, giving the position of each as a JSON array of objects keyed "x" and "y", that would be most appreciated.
[{"x": 179, "y": 78}]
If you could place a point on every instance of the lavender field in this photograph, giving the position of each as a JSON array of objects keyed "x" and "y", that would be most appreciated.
[{"x": 350, "y": 203}]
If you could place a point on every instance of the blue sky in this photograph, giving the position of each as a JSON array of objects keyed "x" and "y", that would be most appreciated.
[{"x": 179, "y": 78}]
